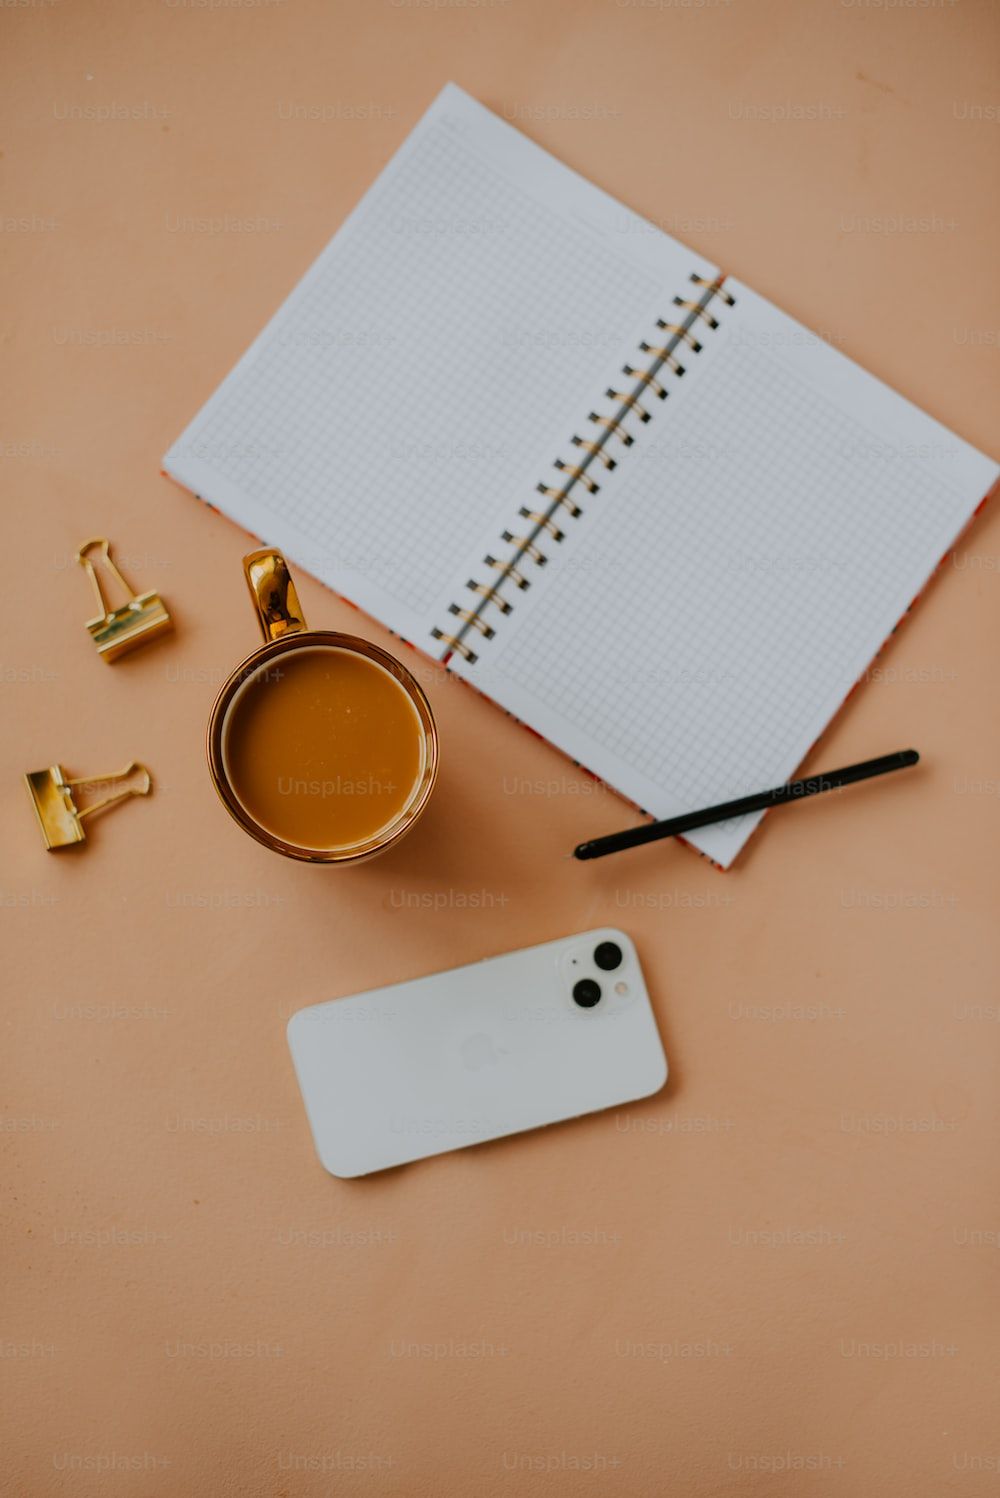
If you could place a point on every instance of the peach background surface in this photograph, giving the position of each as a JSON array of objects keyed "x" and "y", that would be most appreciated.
[{"x": 780, "y": 1275}]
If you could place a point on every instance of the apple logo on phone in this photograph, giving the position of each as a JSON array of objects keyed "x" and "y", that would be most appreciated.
[{"x": 478, "y": 1051}]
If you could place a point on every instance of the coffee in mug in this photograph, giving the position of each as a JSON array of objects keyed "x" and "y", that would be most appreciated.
[{"x": 324, "y": 749}]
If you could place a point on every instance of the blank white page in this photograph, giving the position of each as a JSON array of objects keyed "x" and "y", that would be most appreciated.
[
  {"x": 700, "y": 625},
  {"x": 413, "y": 383}
]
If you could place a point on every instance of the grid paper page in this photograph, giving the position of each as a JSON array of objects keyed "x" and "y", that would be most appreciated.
[
  {"x": 381, "y": 424},
  {"x": 712, "y": 615}
]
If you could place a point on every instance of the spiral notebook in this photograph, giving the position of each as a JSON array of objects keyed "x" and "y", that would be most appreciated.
[{"x": 611, "y": 487}]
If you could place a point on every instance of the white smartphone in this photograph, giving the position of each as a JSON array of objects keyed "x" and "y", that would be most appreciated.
[{"x": 477, "y": 1052}]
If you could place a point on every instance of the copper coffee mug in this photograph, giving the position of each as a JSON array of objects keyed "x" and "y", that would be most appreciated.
[{"x": 285, "y": 630}]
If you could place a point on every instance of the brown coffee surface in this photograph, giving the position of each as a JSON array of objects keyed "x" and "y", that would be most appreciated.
[{"x": 323, "y": 747}]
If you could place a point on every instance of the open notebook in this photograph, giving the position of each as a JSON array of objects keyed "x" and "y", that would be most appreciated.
[{"x": 621, "y": 494}]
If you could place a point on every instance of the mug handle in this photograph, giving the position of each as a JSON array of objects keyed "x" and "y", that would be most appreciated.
[{"x": 273, "y": 594}]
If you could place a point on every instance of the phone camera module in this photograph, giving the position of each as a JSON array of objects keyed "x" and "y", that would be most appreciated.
[
  {"x": 586, "y": 993},
  {"x": 608, "y": 956}
]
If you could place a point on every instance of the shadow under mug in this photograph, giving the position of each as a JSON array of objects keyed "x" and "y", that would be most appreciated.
[{"x": 285, "y": 630}]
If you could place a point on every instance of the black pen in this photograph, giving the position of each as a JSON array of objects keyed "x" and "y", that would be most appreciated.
[{"x": 794, "y": 790}]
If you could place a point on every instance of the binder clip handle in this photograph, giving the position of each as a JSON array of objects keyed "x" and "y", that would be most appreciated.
[
  {"x": 142, "y": 789},
  {"x": 103, "y": 545}
]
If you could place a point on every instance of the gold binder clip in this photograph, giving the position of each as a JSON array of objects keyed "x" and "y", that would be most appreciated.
[
  {"x": 59, "y": 817},
  {"x": 115, "y": 631}
]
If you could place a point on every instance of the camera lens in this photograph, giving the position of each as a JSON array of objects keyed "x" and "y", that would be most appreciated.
[
  {"x": 586, "y": 993},
  {"x": 608, "y": 956}
]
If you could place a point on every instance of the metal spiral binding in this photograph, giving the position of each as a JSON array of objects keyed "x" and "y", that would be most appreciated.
[{"x": 593, "y": 449}]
